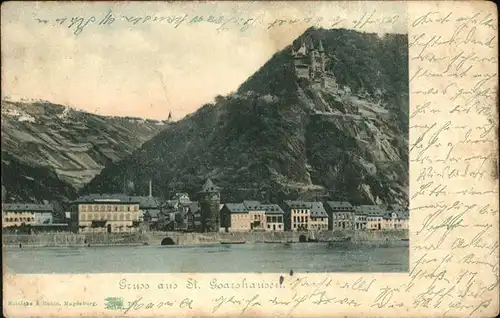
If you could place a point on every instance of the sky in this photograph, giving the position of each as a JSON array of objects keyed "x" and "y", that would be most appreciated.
[{"x": 149, "y": 59}]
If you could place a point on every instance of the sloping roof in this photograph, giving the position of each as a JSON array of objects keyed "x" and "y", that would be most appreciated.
[
  {"x": 209, "y": 186},
  {"x": 298, "y": 204},
  {"x": 339, "y": 204},
  {"x": 248, "y": 206},
  {"x": 251, "y": 204},
  {"x": 236, "y": 207},
  {"x": 102, "y": 198},
  {"x": 373, "y": 210},
  {"x": 19, "y": 207},
  {"x": 147, "y": 202},
  {"x": 271, "y": 209},
  {"x": 403, "y": 215},
  {"x": 177, "y": 196},
  {"x": 318, "y": 210},
  {"x": 153, "y": 212}
]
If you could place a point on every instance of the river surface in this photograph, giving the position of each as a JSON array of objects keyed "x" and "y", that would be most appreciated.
[{"x": 257, "y": 258}]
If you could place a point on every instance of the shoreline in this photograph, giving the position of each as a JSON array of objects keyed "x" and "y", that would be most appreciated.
[
  {"x": 44, "y": 240},
  {"x": 335, "y": 244}
]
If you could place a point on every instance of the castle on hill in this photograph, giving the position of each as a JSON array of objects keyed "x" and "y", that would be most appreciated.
[{"x": 309, "y": 61}]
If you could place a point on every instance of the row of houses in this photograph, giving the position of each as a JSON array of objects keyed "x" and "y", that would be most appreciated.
[
  {"x": 312, "y": 216},
  {"x": 121, "y": 213}
]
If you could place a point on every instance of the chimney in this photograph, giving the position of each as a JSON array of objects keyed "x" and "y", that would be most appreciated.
[{"x": 150, "y": 189}]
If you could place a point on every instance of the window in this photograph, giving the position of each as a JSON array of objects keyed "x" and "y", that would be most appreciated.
[
  {"x": 128, "y": 216},
  {"x": 116, "y": 208},
  {"x": 279, "y": 226},
  {"x": 268, "y": 226}
]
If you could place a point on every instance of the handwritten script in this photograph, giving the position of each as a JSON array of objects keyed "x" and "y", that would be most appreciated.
[
  {"x": 221, "y": 23},
  {"x": 453, "y": 154}
]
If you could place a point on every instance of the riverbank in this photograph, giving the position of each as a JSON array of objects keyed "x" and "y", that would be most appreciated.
[{"x": 375, "y": 238}]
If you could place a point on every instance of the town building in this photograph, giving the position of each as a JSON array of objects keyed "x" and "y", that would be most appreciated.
[
  {"x": 209, "y": 206},
  {"x": 298, "y": 214},
  {"x": 274, "y": 218},
  {"x": 396, "y": 217},
  {"x": 194, "y": 210},
  {"x": 319, "y": 218},
  {"x": 182, "y": 198},
  {"x": 149, "y": 207},
  {"x": 360, "y": 218},
  {"x": 178, "y": 212},
  {"x": 105, "y": 213},
  {"x": 20, "y": 214},
  {"x": 341, "y": 215},
  {"x": 251, "y": 216},
  {"x": 235, "y": 218},
  {"x": 374, "y": 216},
  {"x": 256, "y": 214}
]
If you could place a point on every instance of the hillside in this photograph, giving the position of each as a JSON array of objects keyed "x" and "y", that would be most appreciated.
[
  {"x": 50, "y": 151},
  {"x": 282, "y": 136}
]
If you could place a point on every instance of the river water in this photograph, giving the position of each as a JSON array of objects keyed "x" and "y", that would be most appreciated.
[{"x": 257, "y": 258}]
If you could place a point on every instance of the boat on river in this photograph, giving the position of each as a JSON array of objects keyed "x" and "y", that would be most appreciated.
[
  {"x": 233, "y": 242},
  {"x": 331, "y": 243}
]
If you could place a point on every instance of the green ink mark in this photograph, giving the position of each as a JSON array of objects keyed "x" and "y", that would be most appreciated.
[{"x": 114, "y": 303}]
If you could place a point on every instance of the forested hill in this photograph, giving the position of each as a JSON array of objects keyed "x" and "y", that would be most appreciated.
[{"x": 282, "y": 137}]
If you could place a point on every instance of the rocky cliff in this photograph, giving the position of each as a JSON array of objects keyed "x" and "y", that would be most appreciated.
[
  {"x": 50, "y": 151},
  {"x": 344, "y": 137}
]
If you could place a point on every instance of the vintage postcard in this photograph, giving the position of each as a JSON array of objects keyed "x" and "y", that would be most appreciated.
[{"x": 289, "y": 159}]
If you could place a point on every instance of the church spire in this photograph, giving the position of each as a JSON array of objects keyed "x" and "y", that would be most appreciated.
[{"x": 169, "y": 116}]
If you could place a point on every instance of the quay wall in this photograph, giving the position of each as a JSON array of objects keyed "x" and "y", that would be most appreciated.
[
  {"x": 72, "y": 239},
  {"x": 393, "y": 237}
]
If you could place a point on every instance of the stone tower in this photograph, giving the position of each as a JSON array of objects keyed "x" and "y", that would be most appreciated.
[
  {"x": 322, "y": 57},
  {"x": 209, "y": 205}
]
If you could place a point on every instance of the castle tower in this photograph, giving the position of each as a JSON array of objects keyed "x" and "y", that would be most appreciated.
[
  {"x": 300, "y": 64},
  {"x": 209, "y": 206},
  {"x": 322, "y": 57},
  {"x": 313, "y": 56}
]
